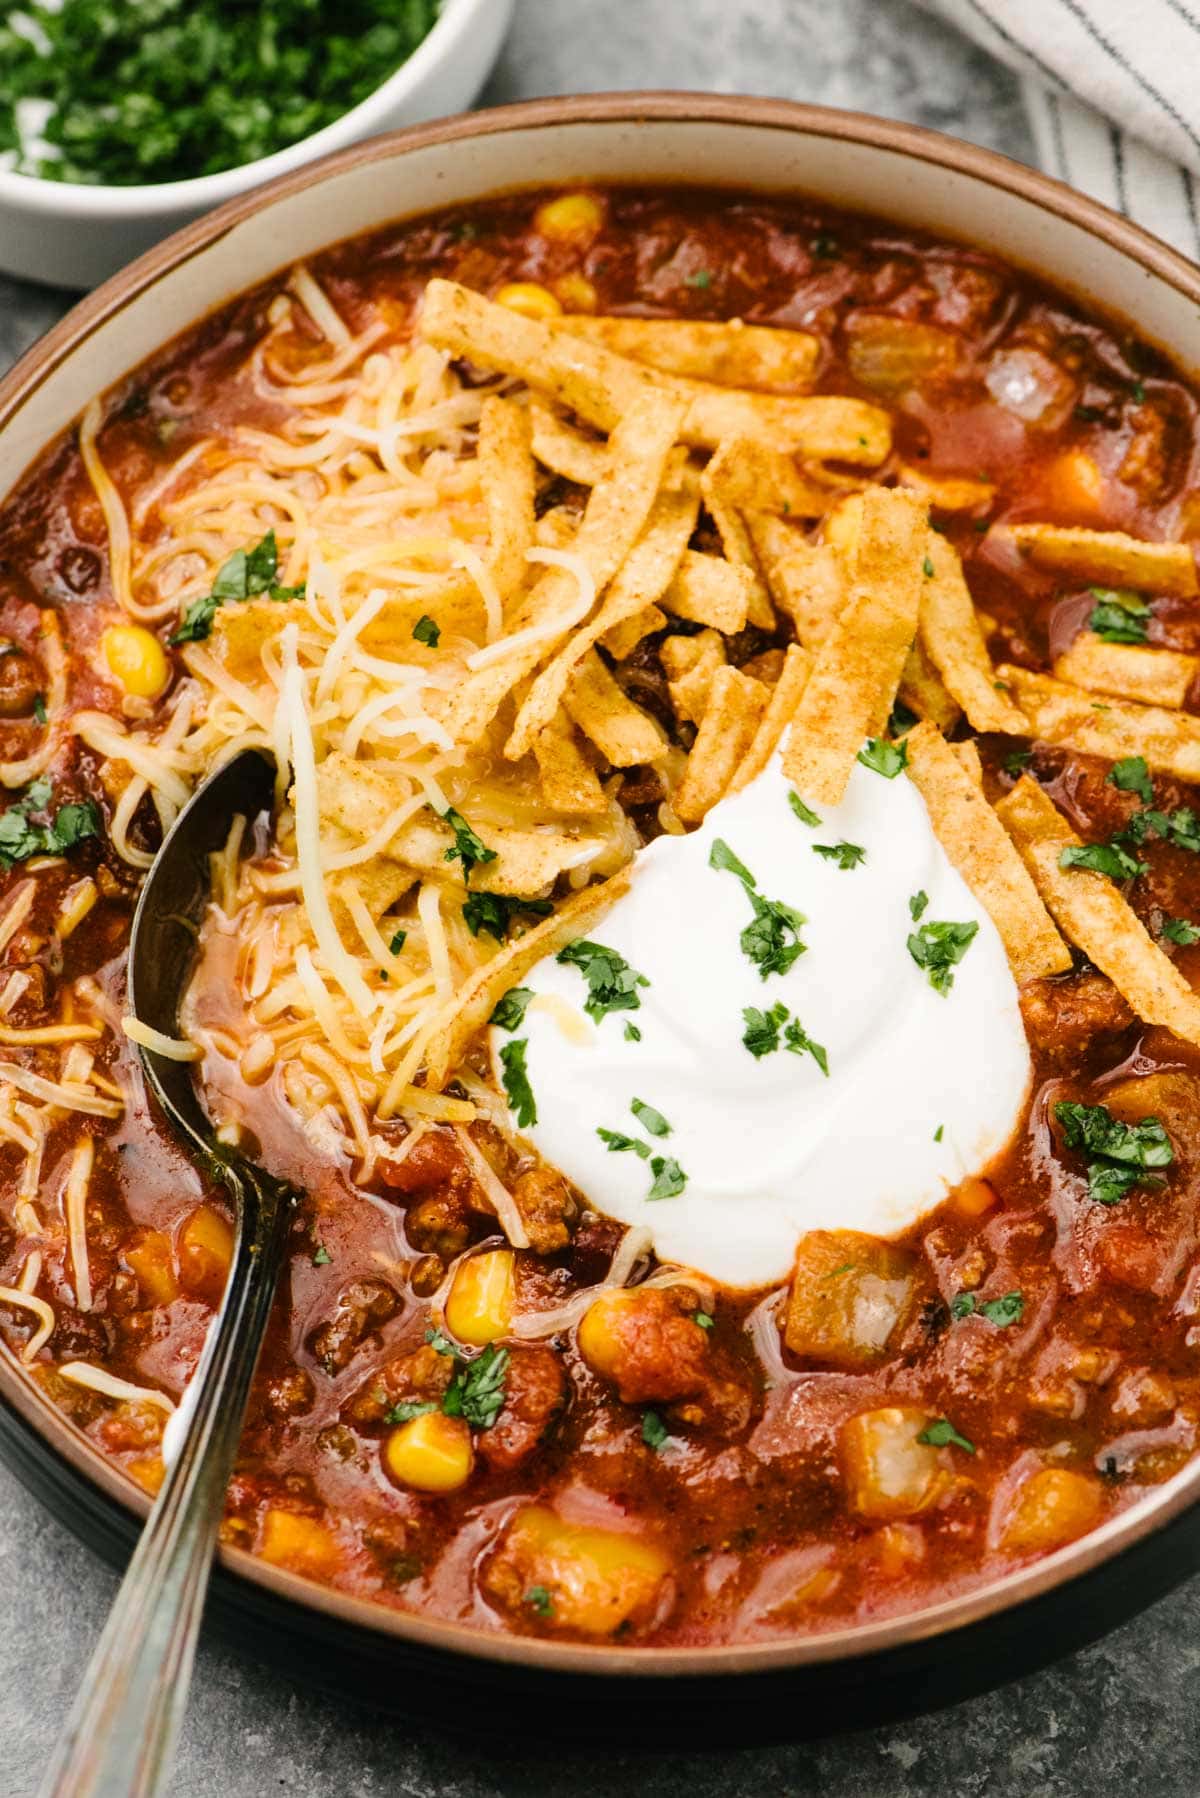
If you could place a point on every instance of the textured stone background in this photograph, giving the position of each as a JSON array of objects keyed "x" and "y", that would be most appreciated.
[{"x": 1122, "y": 1715}]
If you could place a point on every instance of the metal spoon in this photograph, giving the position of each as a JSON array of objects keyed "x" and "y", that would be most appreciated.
[{"x": 120, "y": 1737}]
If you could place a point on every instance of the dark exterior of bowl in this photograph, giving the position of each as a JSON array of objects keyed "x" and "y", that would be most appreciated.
[{"x": 450, "y": 1676}]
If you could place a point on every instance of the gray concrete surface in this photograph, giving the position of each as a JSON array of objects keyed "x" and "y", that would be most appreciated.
[{"x": 1119, "y": 1717}]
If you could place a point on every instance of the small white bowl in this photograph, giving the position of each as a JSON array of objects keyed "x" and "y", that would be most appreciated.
[{"x": 71, "y": 235}]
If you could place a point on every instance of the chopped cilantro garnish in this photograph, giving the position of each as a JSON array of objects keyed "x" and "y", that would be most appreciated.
[
  {"x": 1180, "y": 828},
  {"x": 1179, "y": 930},
  {"x": 938, "y": 948},
  {"x": 1016, "y": 763},
  {"x": 1131, "y": 775},
  {"x": 39, "y": 708},
  {"x": 761, "y": 1035},
  {"x": 927, "y": 569},
  {"x": 247, "y": 574},
  {"x": 510, "y": 1011},
  {"x": 701, "y": 279},
  {"x": 941, "y": 1433},
  {"x": 846, "y": 855},
  {"x": 22, "y": 836},
  {"x": 632, "y": 1033},
  {"x": 721, "y": 857},
  {"x": 441, "y": 1344},
  {"x": 321, "y": 1257},
  {"x": 1002, "y": 1312},
  {"x": 883, "y": 757},
  {"x": 1119, "y": 616},
  {"x": 703, "y": 1319},
  {"x": 1118, "y": 1154},
  {"x": 669, "y": 1178},
  {"x": 612, "y": 984},
  {"x": 471, "y": 850},
  {"x": 939, "y": 1133},
  {"x": 800, "y": 1043},
  {"x": 427, "y": 632},
  {"x": 918, "y": 905},
  {"x": 772, "y": 940},
  {"x": 516, "y": 1083},
  {"x": 476, "y": 1393},
  {"x": 618, "y": 1143},
  {"x": 649, "y": 1119},
  {"x": 1112, "y": 859},
  {"x": 409, "y": 1408},
  {"x": 804, "y": 812},
  {"x": 494, "y": 912},
  {"x": 398, "y": 941},
  {"x": 539, "y": 1600},
  {"x": 901, "y": 719},
  {"x": 654, "y": 1430}
]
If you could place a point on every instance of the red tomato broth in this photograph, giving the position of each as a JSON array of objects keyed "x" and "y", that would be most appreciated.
[{"x": 746, "y": 1498}]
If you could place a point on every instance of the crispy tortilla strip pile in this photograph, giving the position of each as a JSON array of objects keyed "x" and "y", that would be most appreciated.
[{"x": 1095, "y": 917}]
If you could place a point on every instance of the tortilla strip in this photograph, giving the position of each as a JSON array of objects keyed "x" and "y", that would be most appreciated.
[
  {"x": 739, "y": 552},
  {"x": 644, "y": 577},
  {"x": 624, "y": 734},
  {"x": 947, "y": 493},
  {"x": 707, "y": 590},
  {"x": 924, "y": 692},
  {"x": 809, "y": 588},
  {"x": 600, "y": 387},
  {"x": 1110, "y": 558},
  {"x": 954, "y": 643},
  {"x": 569, "y": 782},
  {"x": 1093, "y": 915},
  {"x": 746, "y": 473},
  {"x": 563, "y": 448},
  {"x": 474, "y": 1002},
  {"x": 850, "y": 692},
  {"x": 621, "y": 641},
  {"x": 968, "y": 757},
  {"x": 690, "y": 664},
  {"x": 980, "y": 848},
  {"x": 379, "y": 883},
  {"x": 613, "y": 520},
  {"x": 780, "y": 710},
  {"x": 1151, "y": 676},
  {"x": 731, "y": 353},
  {"x": 1169, "y": 741},
  {"x": 736, "y": 703},
  {"x": 358, "y": 796},
  {"x": 506, "y": 476}
]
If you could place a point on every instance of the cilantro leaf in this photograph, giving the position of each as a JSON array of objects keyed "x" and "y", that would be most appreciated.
[
  {"x": 1016, "y": 763},
  {"x": 1131, "y": 775},
  {"x": 941, "y": 1433},
  {"x": 321, "y": 1256},
  {"x": 918, "y": 905},
  {"x": 476, "y": 1393},
  {"x": 804, "y": 812},
  {"x": 1002, "y": 1311},
  {"x": 40, "y": 714},
  {"x": 409, "y": 1408},
  {"x": 246, "y": 574},
  {"x": 846, "y": 855},
  {"x": 938, "y": 948},
  {"x": 539, "y": 1599},
  {"x": 612, "y": 984},
  {"x": 509, "y": 1012},
  {"x": 722, "y": 858},
  {"x": 654, "y": 1430},
  {"x": 761, "y": 1035},
  {"x": 516, "y": 1083},
  {"x": 494, "y": 912},
  {"x": 1103, "y": 858},
  {"x": 427, "y": 632},
  {"x": 471, "y": 850},
  {"x": 1179, "y": 930},
  {"x": 772, "y": 940},
  {"x": 1118, "y": 616},
  {"x": 800, "y": 1043},
  {"x": 632, "y": 1033},
  {"x": 22, "y": 836},
  {"x": 1118, "y": 1155},
  {"x": 669, "y": 1178},
  {"x": 650, "y": 1120},
  {"x": 703, "y": 1319},
  {"x": 883, "y": 757},
  {"x": 901, "y": 719},
  {"x": 618, "y": 1143},
  {"x": 441, "y": 1344}
]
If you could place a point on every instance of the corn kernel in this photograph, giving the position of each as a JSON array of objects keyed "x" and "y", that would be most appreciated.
[
  {"x": 529, "y": 299},
  {"x": 570, "y": 218},
  {"x": 153, "y": 1263},
  {"x": 599, "y": 1334},
  {"x": 1052, "y": 1507},
  {"x": 301, "y": 1543},
  {"x": 431, "y": 1453},
  {"x": 973, "y": 1197},
  {"x": 576, "y": 293},
  {"x": 136, "y": 659},
  {"x": 205, "y": 1253},
  {"x": 480, "y": 1303}
]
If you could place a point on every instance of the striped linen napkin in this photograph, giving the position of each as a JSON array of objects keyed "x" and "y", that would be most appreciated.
[{"x": 1110, "y": 87}]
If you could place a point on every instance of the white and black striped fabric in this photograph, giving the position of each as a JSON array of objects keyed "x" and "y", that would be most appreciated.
[{"x": 1111, "y": 87}]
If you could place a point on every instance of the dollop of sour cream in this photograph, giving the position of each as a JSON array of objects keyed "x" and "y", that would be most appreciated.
[{"x": 923, "y": 1087}]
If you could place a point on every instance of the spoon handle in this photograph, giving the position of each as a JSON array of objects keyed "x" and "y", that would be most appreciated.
[{"x": 120, "y": 1738}]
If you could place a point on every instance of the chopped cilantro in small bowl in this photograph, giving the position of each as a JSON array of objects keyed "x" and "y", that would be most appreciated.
[{"x": 122, "y": 119}]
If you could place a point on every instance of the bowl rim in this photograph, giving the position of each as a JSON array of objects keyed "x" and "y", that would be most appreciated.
[
  {"x": 19, "y": 387},
  {"x": 118, "y": 202}
]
